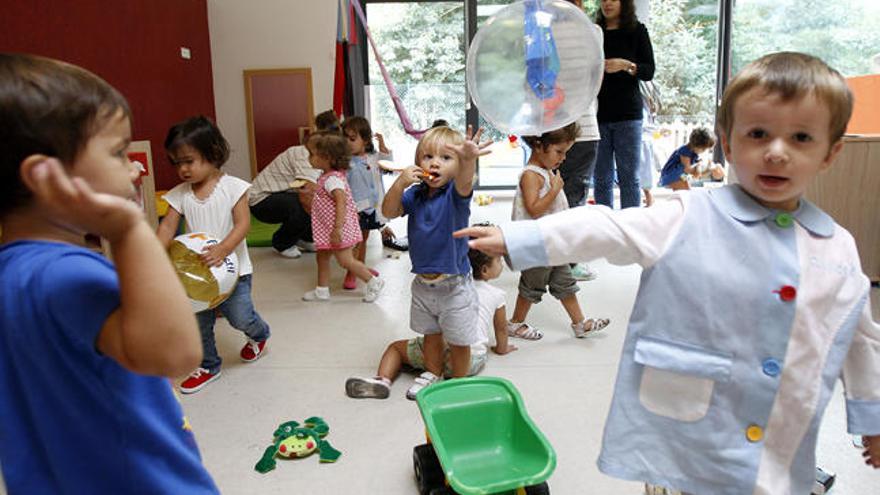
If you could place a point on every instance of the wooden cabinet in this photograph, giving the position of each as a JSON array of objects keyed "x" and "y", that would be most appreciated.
[{"x": 849, "y": 191}]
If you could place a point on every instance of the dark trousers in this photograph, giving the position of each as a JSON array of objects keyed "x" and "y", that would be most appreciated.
[
  {"x": 576, "y": 169},
  {"x": 285, "y": 208}
]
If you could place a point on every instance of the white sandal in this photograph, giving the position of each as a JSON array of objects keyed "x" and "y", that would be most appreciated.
[{"x": 523, "y": 331}]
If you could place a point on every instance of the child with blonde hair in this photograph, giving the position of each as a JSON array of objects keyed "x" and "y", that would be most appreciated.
[
  {"x": 87, "y": 346},
  {"x": 444, "y": 303},
  {"x": 538, "y": 194},
  {"x": 217, "y": 204},
  {"x": 728, "y": 398},
  {"x": 334, "y": 217}
]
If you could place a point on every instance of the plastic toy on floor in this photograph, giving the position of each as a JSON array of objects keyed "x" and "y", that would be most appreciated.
[
  {"x": 484, "y": 199},
  {"x": 480, "y": 418},
  {"x": 292, "y": 440}
]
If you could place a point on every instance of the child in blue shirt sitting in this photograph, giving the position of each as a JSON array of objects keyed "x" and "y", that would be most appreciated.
[
  {"x": 444, "y": 303},
  {"x": 684, "y": 161},
  {"x": 86, "y": 345},
  {"x": 728, "y": 398}
]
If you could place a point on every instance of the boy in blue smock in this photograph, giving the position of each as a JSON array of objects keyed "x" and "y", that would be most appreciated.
[
  {"x": 444, "y": 303},
  {"x": 86, "y": 346},
  {"x": 728, "y": 398}
]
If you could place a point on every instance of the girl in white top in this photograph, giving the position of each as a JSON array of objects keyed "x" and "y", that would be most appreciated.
[
  {"x": 538, "y": 194},
  {"x": 217, "y": 204}
]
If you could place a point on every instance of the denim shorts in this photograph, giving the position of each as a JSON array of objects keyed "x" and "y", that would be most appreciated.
[{"x": 448, "y": 306}]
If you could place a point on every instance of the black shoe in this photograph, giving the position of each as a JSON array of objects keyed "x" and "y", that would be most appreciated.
[
  {"x": 824, "y": 482},
  {"x": 396, "y": 243}
]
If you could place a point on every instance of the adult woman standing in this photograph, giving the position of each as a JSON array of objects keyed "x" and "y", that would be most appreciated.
[{"x": 629, "y": 57}]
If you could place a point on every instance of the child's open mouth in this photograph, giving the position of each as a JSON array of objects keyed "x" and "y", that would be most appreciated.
[{"x": 772, "y": 181}]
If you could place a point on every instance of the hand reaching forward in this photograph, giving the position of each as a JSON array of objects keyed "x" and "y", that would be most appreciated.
[
  {"x": 872, "y": 450},
  {"x": 489, "y": 240}
]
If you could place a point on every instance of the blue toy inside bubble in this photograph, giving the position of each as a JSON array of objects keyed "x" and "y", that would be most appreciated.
[{"x": 535, "y": 66}]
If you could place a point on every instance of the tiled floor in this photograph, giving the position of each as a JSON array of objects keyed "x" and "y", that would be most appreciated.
[{"x": 566, "y": 384}]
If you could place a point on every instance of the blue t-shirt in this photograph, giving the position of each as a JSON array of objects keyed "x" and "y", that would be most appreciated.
[
  {"x": 71, "y": 419},
  {"x": 673, "y": 169},
  {"x": 432, "y": 220}
]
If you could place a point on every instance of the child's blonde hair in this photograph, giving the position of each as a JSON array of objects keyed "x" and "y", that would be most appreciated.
[
  {"x": 330, "y": 144},
  {"x": 435, "y": 138},
  {"x": 790, "y": 75}
]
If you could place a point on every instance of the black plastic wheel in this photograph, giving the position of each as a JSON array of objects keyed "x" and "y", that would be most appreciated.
[
  {"x": 539, "y": 489},
  {"x": 429, "y": 473},
  {"x": 443, "y": 491}
]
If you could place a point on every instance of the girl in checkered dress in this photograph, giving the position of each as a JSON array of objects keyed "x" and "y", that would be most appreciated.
[{"x": 335, "y": 227}]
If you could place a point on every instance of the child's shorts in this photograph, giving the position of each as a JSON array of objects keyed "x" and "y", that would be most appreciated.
[
  {"x": 415, "y": 352},
  {"x": 533, "y": 283},
  {"x": 369, "y": 221},
  {"x": 448, "y": 306}
]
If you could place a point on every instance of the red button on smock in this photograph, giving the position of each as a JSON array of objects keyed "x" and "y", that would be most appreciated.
[{"x": 787, "y": 293}]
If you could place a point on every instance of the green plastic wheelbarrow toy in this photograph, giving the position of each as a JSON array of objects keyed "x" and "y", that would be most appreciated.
[{"x": 480, "y": 441}]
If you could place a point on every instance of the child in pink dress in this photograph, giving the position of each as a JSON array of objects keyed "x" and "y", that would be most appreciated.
[{"x": 335, "y": 227}]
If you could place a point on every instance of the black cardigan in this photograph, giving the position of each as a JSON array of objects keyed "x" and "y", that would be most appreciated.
[{"x": 619, "y": 97}]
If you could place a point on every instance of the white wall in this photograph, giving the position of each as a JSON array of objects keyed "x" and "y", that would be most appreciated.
[{"x": 266, "y": 34}]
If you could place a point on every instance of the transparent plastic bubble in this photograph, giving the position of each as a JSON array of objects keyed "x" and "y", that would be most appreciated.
[
  {"x": 535, "y": 66},
  {"x": 206, "y": 286}
]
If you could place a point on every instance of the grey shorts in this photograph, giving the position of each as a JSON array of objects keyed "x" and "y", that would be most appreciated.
[
  {"x": 533, "y": 283},
  {"x": 449, "y": 307}
]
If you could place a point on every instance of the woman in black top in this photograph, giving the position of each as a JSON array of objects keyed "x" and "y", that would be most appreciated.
[{"x": 629, "y": 58}]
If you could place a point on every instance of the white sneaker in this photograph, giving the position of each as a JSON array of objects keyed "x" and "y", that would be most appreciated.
[
  {"x": 320, "y": 294},
  {"x": 291, "y": 252},
  {"x": 306, "y": 246},
  {"x": 424, "y": 380},
  {"x": 367, "y": 388},
  {"x": 374, "y": 288}
]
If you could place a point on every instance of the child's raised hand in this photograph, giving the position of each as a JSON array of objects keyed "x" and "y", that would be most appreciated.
[
  {"x": 489, "y": 240},
  {"x": 214, "y": 254},
  {"x": 76, "y": 206},
  {"x": 471, "y": 148},
  {"x": 872, "y": 450},
  {"x": 411, "y": 175},
  {"x": 380, "y": 140}
]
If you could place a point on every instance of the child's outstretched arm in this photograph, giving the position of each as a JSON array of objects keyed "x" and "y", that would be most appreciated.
[
  {"x": 153, "y": 331},
  {"x": 241, "y": 224},
  {"x": 502, "y": 343},
  {"x": 468, "y": 152},
  {"x": 392, "y": 206}
]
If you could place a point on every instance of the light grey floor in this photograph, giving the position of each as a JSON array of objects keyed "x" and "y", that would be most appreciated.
[{"x": 566, "y": 384}]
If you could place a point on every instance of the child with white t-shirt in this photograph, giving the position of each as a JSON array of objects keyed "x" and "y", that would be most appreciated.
[
  {"x": 217, "y": 204},
  {"x": 411, "y": 352}
]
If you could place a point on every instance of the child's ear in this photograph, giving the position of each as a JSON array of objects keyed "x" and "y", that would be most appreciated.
[
  {"x": 725, "y": 146},
  {"x": 26, "y": 170},
  {"x": 832, "y": 154}
]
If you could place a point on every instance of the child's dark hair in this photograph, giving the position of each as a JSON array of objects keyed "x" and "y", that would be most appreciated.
[
  {"x": 361, "y": 127},
  {"x": 200, "y": 134},
  {"x": 565, "y": 134},
  {"x": 701, "y": 138},
  {"x": 51, "y": 108},
  {"x": 440, "y": 123},
  {"x": 478, "y": 258},
  {"x": 327, "y": 121},
  {"x": 332, "y": 145}
]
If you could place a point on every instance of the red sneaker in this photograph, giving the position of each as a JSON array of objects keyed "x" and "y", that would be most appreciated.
[
  {"x": 252, "y": 350},
  {"x": 350, "y": 282},
  {"x": 197, "y": 381}
]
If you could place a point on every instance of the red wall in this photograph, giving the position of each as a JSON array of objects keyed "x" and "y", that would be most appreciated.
[{"x": 135, "y": 46}]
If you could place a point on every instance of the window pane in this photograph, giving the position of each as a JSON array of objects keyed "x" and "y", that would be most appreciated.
[
  {"x": 843, "y": 33},
  {"x": 426, "y": 66}
]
